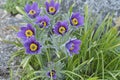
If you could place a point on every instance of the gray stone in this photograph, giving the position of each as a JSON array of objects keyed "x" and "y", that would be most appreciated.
[
  {"x": 19, "y": 16},
  {"x": 95, "y": 6}
]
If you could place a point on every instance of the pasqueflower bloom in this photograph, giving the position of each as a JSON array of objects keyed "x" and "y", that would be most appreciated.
[
  {"x": 76, "y": 19},
  {"x": 61, "y": 28},
  {"x": 43, "y": 21},
  {"x": 32, "y": 10},
  {"x": 26, "y": 32},
  {"x": 52, "y": 7},
  {"x": 73, "y": 46},
  {"x": 32, "y": 46},
  {"x": 52, "y": 74}
]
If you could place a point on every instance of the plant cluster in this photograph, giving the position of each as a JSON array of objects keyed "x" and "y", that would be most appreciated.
[
  {"x": 10, "y": 5},
  {"x": 66, "y": 46}
]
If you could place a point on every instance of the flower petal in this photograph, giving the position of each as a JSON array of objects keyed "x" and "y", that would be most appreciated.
[
  {"x": 57, "y": 5},
  {"x": 34, "y": 6},
  {"x": 27, "y": 8},
  {"x": 47, "y": 6}
]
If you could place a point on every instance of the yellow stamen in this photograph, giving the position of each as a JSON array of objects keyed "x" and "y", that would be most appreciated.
[
  {"x": 62, "y": 29},
  {"x": 28, "y": 33},
  {"x": 44, "y": 23},
  {"x": 74, "y": 21},
  {"x": 52, "y": 9},
  {"x": 72, "y": 47},
  {"x": 52, "y": 73},
  {"x": 33, "y": 47},
  {"x": 32, "y": 12}
]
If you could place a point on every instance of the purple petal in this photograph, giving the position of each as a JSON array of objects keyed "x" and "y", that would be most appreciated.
[
  {"x": 47, "y": 6},
  {"x": 65, "y": 24},
  {"x": 76, "y": 41},
  {"x": 76, "y": 49},
  {"x": 68, "y": 45},
  {"x": 38, "y": 19},
  {"x": 23, "y": 28},
  {"x": 34, "y": 6},
  {"x": 54, "y": 77},
  {"x": 47, "y": 19},
  {"x": 27, "y": 44},
  {"x": 58, "y": 25},
  {"x": 20, "y": 34},
  {"x": 52, "y": 3},
  {"x": 57, "y": 5},
  {"x": 32, "y": 39},
  {"x": 75, "y": 15},
  {"x": 81, "y": 21},
  {"x": 56, "y": 29},
  {"x": 42, "y": 19},
  {"x": 27, "y": 8}
]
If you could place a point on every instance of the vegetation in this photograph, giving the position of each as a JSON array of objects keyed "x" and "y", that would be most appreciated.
[
  {"x": 98, "y": 58},
  {"x": 10, "y": 5}
]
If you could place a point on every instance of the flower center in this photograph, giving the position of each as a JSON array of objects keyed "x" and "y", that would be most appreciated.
[
  {"x": 72, "y": 47},
  {"x": 74, "y": 21},
  {"x": 43, "y": 23},
  {"x": 33, "y": 47},
  {"x": 28, "y": 33},
  {"x": 32, "y": 12},
  {"x": 52, "y": 73},
  {"x": 52, "y": 9},
  {"x": 62, "y": 30}
]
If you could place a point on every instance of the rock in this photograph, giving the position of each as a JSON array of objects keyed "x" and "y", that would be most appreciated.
[
  {"x": 95, "y": 6},
  {"x": 19, "y": 16}
]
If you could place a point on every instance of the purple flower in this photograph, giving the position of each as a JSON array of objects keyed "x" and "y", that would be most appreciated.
[
  {"x": 32, "y": 46},
  {"x": 76, "y": 19},
  {"x": 32, "y": 10},
  {"x": 73, "y": 46},
  {"x": 26, "y": 32},
  {"x": 52, "y": 74},
  {"x": 61, "y": 27},
  {"x": 43, "y": 21},
  {"x": 52, "y": 7}
]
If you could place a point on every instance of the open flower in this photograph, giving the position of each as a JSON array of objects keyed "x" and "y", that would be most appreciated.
[
  {"x": 52, "y": 7},
  {"x": 43, "y": 21},
  {"x": 32, "y": 10},
  {"x": 61, "y": 28},
  {"x": 52, "y": 74},
  {"x": 73, "y": 46},
  {"x": 26, "y": 32},
  {"x": 76, "y": 19},
  {"x": 32, "y": 46}
]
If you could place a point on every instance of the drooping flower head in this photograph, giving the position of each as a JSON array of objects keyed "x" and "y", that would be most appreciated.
[
  {"x": 73, "y": 46},
  {"x": 52, "y": 74},
  {"x": 43, "y": 21},
  {"x": 61, "y": 27},
  {"x": 76, "y": 19},
  {"x": 32, "y": 46},
  {"x": 32, "y": 10},
  {"x": 26, "y": 32},
  {"x": 52, "y": 7}
]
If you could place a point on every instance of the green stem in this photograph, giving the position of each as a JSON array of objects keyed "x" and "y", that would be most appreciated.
[
  {"x": 102, "y": 65},
  {"x": 47, "y": 53},
  {"x": 70, "y": 72},
  {"x": 48, "y": 56}
]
